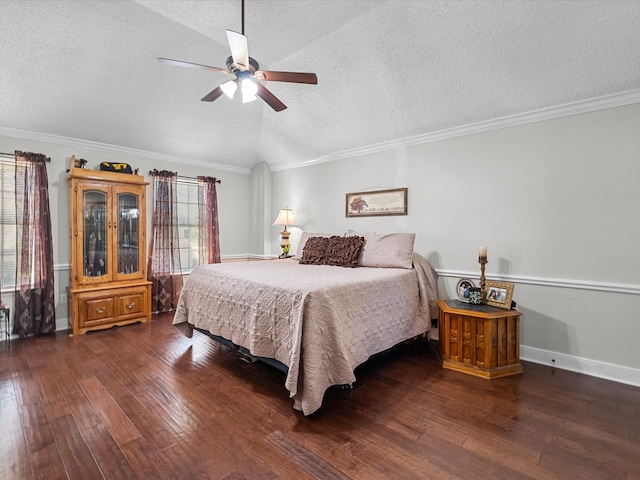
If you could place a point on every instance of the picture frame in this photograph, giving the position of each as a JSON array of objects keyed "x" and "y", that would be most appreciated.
[
  {"x": 376, "y": 203},
  {"x": 499, "y": 294},
  {"x": 462, "y": 289}
]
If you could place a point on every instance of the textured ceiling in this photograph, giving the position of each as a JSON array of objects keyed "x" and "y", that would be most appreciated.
[{"x": 387, "y": 70}]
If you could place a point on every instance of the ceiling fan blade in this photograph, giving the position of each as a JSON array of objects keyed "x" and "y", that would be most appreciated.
[
  {"x": 239, "y": 49},
  {"x": 293, "y": 77},
  {"x": 269, "y": 98},
  {"x": 212, "y": 95},
  {"x": 180, "y": 63}
]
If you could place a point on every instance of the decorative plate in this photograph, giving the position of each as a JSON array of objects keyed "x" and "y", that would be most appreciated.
[{"x": 462, "y": 289}]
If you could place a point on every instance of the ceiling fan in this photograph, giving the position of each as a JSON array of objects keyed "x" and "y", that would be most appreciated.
[{"x": 247, "y": 72}]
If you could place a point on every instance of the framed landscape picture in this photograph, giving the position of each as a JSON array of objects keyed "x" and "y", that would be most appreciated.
[{"x": 377, "y": 203}]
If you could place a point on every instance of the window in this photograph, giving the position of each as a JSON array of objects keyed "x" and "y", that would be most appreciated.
[
  {"x": 187, "y": 197},
  {"x": 8, "y": 252}
]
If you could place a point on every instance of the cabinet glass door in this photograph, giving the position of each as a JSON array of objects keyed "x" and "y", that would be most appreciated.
[
  {"x": 94, "y": 224},
  {"x": 128, "y": 212}
]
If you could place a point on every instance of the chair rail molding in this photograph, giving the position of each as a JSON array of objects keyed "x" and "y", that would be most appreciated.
[{"x": 549, "y": 282}]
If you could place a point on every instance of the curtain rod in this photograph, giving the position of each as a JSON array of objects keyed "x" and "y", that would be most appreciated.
[
  {"x": 13, "y": 155},
  {"x": 183, "y": 176}
]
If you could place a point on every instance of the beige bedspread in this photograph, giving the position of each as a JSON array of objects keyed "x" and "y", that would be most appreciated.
[{"x": 320, "y": 321}]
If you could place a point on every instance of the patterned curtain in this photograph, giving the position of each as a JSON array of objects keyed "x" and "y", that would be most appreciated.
[
  {"x": 208, "y": 231},
  {"x": 35, "y": 297},
  {"x": 164, "y": 253}
]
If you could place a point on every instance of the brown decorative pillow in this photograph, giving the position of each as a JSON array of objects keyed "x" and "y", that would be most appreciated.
[
  {"x": 303, "y": 240},
  {"x": 314, "y": 252},
  {"x": 335, "y": 250},
  {"x": 344, "y": 251}
]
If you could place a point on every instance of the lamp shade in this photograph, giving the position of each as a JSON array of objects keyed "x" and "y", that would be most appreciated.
[
  {"x": 285, "y": 217},
  {"x": 229, "y": 88},
  {"x": 249, "y": 90}
]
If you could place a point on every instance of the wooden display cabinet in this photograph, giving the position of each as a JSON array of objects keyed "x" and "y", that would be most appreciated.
[
  {"x": 480, "y": 340},
  {"x": 108, "y": 282}
]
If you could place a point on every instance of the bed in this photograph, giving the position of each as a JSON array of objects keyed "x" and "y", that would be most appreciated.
[{"x": 319, "y": 321}]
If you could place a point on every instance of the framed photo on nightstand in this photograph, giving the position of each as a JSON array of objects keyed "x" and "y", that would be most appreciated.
[
  {"x": 462, "y": 289},
  {"x": 499, "y": 294}
]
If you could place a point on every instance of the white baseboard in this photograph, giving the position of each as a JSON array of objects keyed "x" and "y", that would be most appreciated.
[
  {"x": 62, "y": 323},
  {"x": 594, "y": 368}
]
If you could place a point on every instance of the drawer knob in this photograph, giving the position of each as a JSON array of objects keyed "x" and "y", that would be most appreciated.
[
  {"x": 100, "y": 310},
  {"x": 131, "y": 305}
]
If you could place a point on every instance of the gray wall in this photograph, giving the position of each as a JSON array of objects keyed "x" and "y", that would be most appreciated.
[
  {"x": 555, "y": 202},
  {"x": 233, "y": 199}
]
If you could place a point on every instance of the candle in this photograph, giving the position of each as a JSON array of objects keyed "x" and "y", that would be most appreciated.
[{"x": 482, "y": 254}]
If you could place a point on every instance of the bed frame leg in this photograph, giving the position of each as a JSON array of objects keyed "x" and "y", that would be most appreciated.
[{"x": 245, "y": 357}]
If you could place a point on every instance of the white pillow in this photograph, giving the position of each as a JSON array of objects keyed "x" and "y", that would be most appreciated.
[{"x": 394, "y": 250}]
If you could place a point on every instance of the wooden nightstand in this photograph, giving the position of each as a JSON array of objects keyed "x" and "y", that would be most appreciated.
[{"x": 480, "y": 340}]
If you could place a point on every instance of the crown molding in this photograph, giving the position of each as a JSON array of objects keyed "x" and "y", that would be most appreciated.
[
  {"x": 574, "y": 108},
  {"x": 105, "y": 147}
]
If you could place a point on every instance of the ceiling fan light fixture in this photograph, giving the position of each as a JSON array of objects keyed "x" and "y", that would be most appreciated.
[
  {"x": 249, "y": 90},
  {"x": 246, "y": 70},
  {"x": 229, "y": 88}
]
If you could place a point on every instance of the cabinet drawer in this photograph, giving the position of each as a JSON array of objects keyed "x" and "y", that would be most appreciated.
[
  {"x": 130, "y": 304},
  {"x": 97, "y": 310}
]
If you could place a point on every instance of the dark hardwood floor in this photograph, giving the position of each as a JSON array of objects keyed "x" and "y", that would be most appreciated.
[{"x": 144, "y": 401}]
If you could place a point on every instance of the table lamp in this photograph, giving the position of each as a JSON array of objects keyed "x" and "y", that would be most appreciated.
[{"x": 285, "y": 217}]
